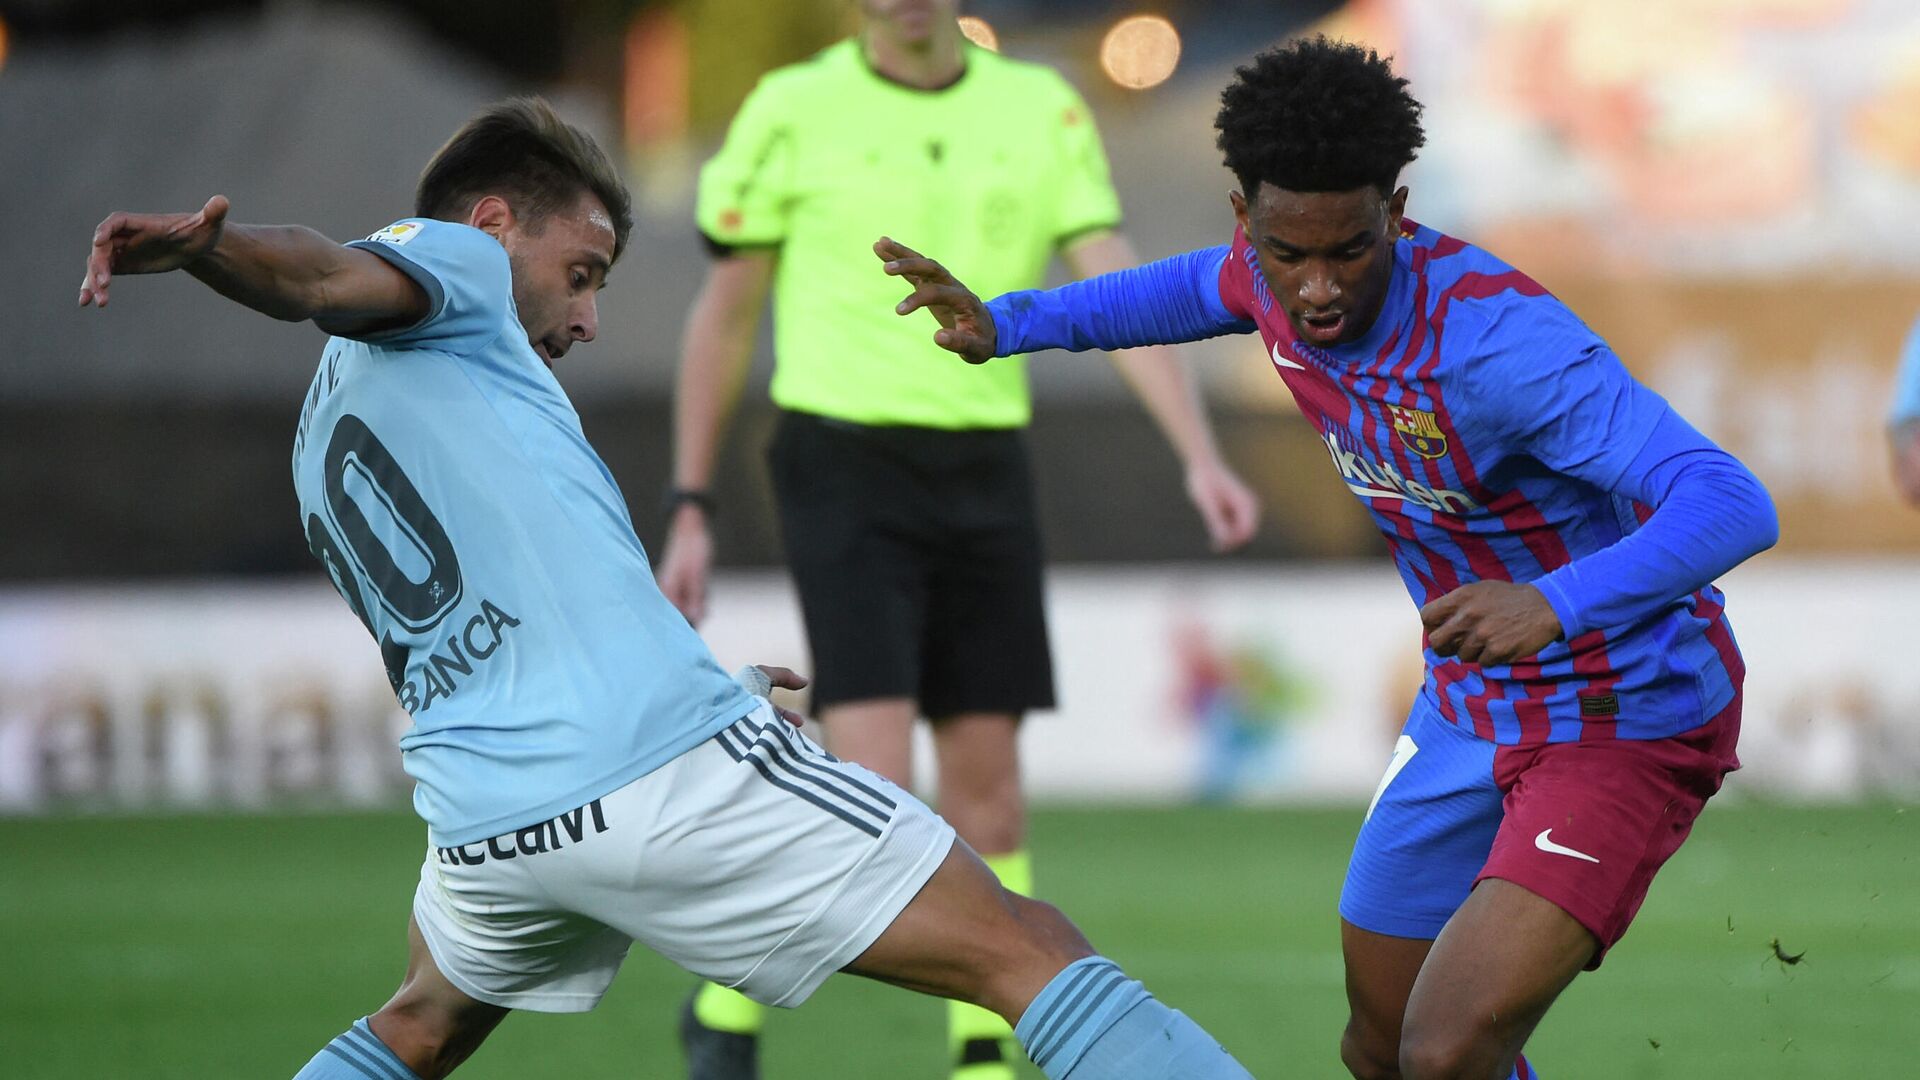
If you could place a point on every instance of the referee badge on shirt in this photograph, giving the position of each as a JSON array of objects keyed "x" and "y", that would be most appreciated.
[{"x": 1419, "y": 430}]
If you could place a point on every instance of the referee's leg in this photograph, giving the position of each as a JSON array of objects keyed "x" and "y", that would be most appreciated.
[
  {"x": 720, "y": 1027},
  {"x": 877, "y": 733},
  {"x": 978, "y": 761},
  {"x": 984, "y": 662},
  {"x": 979, "y": 783},
  {"x": 978, "y": 757}
]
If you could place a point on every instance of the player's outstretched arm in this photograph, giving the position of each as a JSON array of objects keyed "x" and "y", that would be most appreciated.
[
  {"x": 966, "y": 327},
  {"x": 286, "y": 271},
  {"x": 1166, "y": 302}
]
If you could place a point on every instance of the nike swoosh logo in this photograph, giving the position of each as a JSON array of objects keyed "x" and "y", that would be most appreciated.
[
  {"x": 1281, "y": 361},
  {"x": 1544, "y": 844}
]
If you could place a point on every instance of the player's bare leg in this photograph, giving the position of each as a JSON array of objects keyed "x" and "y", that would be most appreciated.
[
  {"x": 1381, "y": 971},
  {"x": 1494, "y": 971},
  {"x": 966, "y": 937},
  {"x": 432, "y": 1024},
  {"x": 429, "y": 1025}
]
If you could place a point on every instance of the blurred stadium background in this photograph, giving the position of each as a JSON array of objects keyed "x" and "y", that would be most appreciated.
[{"x": 1728, "y": 189}]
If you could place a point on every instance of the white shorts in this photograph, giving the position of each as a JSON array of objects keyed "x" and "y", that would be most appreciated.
[{"x": 756, "y": 860}]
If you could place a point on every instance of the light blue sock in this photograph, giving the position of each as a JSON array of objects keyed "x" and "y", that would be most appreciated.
[
  {"x": 1094, "y": 1022},
  {"x": 356, "y": 1054}
]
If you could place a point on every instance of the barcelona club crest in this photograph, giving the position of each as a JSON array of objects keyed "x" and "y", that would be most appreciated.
[{"x": 1419, "y": 430}]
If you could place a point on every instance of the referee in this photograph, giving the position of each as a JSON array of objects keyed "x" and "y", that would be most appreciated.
[{"x": 902, "y": 480}]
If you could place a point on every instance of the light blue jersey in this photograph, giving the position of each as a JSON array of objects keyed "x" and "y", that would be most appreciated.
[
  {"x": 446, "y": 486},
  {"x": 1906, "y": 387}
]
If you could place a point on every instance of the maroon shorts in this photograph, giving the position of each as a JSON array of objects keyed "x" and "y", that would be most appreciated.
[{"x": 1587, "y": 824}]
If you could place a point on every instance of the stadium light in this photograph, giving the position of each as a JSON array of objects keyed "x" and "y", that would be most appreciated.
[
  {"x": 1140, "y": 51},
  {"x": 980, "y": 32}
]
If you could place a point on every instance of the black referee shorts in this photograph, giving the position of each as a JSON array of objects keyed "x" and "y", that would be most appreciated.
[{"x": 917, "y": 555}]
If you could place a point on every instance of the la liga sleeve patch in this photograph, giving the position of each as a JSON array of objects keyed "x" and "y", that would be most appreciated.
[{"x": 400, "y": 232}]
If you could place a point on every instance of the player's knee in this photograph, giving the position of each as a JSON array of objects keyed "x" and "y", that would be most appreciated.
[
  {"x": 1450, "y": 1055},
  {"x": 1041, "y": 942},
  {"x": 1052, "y": 935},
  {"x": 1037, "y": 937},
  {"x": 1369, "y": 1057},
  {"x": 425, "y": 1030},
  {"x": 416, "y": 1031}
]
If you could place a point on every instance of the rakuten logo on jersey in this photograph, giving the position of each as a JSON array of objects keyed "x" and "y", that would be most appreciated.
[{"x": 1372, "y": 481}]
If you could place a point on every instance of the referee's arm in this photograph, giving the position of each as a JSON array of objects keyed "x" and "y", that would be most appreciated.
[
  {"x": 1227, "y": 506},
  {"x": 716, "y": 348}
]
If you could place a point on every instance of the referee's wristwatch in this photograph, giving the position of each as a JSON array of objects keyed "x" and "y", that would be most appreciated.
[{"x": 677, "y": 497}]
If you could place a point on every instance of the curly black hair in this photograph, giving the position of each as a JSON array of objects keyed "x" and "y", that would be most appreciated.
[{"x": 1318, "y": 115}]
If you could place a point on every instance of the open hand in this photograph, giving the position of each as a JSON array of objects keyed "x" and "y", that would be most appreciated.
[
  {"x": 1227, "y": 505},
  {"x": 966, "y": 327},
  {"x": 149, "y": 244},
  {"x": 1491, "y": 622}
]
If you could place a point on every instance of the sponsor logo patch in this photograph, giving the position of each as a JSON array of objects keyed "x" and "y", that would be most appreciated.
[
  {"x": 532, "y": 840},
  {"x": 1371, "y": 480}
]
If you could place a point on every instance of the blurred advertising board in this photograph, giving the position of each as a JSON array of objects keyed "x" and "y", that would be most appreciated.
[
  {"x": 1177, "y": 683},
  {"x": 1793, "y": 377},
  {"x": 1693, "y": 136}
]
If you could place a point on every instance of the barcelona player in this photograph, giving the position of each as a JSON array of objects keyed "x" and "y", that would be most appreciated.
[{"x": 1558, "y": 525}]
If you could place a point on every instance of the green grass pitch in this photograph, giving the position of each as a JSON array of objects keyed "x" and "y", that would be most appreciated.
[{"x": 212, "y": 947}]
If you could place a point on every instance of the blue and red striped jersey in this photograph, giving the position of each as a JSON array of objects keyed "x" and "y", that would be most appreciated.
[{"x": 1486, "y": 428}]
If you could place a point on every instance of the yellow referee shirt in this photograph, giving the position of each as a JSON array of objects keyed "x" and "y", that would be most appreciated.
[{"x": 990, "y": 176}]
